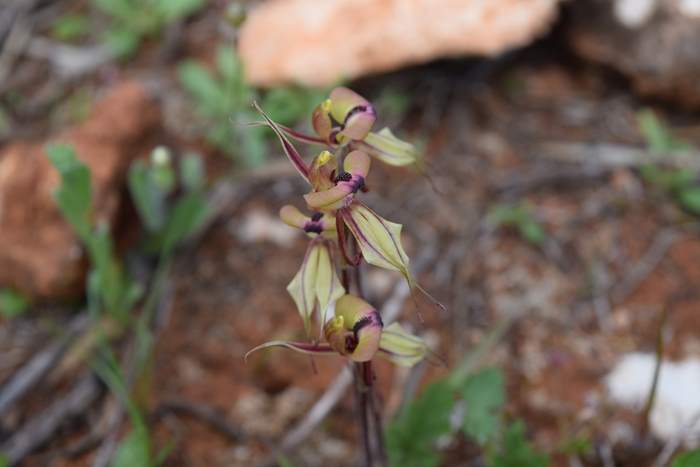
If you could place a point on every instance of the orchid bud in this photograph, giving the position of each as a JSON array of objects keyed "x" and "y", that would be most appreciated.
[
  {"x": 316, "y": 282},
  {"x": 356, "y": 167},
  {"x": 389, "y": 149},
  {"x": 400, "y": 347},
  {"x": 356, "y": 329}
]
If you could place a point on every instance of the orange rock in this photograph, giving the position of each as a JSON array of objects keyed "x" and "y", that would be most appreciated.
[
  {"x": 39, "y": 253},
  {"x": 320, "y": 42}
]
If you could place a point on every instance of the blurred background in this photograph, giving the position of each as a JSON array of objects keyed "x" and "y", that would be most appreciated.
[{"x": 141, "y": 255}]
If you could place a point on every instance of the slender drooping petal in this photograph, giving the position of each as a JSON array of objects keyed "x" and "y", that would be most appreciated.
[
  {"x": 389, "y": 149},
  {"x": 378, "y": 238},
  {"x": 301, "y": 347},
  {"x": 316, "y": 282},
  {"x": 401, "y": 347},
  {"x": 356, "y": 166},
  {"x": 356, "y": 329},
  {"x": 291, "y": 152}
]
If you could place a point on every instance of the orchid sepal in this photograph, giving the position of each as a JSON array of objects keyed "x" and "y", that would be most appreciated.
[
  {"x": 316, "y": 282},
  {"x": 301, "y": 347},
  {"x": 289, "y": 149},
  {"x": 389, "y": 149},
  {"x": 401, "y": 347}
]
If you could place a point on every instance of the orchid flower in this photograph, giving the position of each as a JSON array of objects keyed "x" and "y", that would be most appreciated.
[
  {"x": 346, "y": 184},
  {"x": 316, "y": 282},
  {"x": 357, "y": 333}
]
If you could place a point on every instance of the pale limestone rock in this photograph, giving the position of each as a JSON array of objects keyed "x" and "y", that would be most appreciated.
[{"x": 320, "y": 42}]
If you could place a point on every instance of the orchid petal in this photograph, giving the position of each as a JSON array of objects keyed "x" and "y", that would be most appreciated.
[
  {"x": 378, "y": 238},
  {"x": 357, "y": 163},
  {"x": 328, "y": 286},
  {"x": 400, "y": 347},
  {"x": 389, "y": 149},
  {"x": 328, "y": 199},
  {"x": 293, "y": 217},
  {"x": 301, "y": 347},
  {"x": 302, "y": 288},
  {"x": 291, "y": 152},
  {"x": 322, "y": 168},
  {"x": 355, "y": 331}
]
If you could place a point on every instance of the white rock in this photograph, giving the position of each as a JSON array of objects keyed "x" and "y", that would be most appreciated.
[
  {"x": 319, "y": 42},
  {"x": 634, "y": 13},
  {"x": 259, "y": 225},
  {"x": 690, "y": 8},
  {"x": 676, "y": 410}
]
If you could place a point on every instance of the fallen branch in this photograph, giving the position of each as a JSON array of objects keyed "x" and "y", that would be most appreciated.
[{"x": 40, "y": 428}]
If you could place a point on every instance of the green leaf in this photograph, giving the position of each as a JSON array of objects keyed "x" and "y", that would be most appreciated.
[
  {"x": 148, "y": 199},
  {"x": 516, "y": 451},
  {"x": 4, "y": 461},
  {"x": 192, "y": 172},
  {"x": 532, "y": 231},
  {"x": 202, "y": 86},
  {"x": 412, "y": 435},
  {"x": 74, "y": 196},
  {"x": 289, "y": 105},
  {"x": 172, "y": 10},
  {"x": 687, "y": 459},
  {"x": 70, "y": 27},
  {"x": 119, "y": 9},
  {"x": 187, "y": 215},
  {"x": 690, "y": 199},
  {"x": 657, "y": 136},
  {"x": 484, "y": 395},
  {"x": 134, "y": 450},
  {"x": 122, "y": 42},
  {"x": 12, "y": 303}
]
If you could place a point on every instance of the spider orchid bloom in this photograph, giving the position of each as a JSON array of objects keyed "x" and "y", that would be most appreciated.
[
  {"x": 316, "y": 282},
  {"x": 344, "y": 185},
  {"x": 343, "y": 117},
  {"x": 357, "y": 332}
]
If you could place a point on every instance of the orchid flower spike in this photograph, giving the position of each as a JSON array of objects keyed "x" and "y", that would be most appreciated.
[
  {"x": 316, "y": 282},
  {"x": 357, "y": 332},
  {"x": 345, "y": 185}
]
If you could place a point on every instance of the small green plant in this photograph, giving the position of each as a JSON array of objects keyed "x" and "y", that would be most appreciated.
[
  {"x": 4, "y": 461},
  {"x": 687, "y": 459},
  {"x": 223, "y": 100},
  {"x": 412, "y": 436},
  {"x": 519, "y": 216},
  {"x": 109, "y": 288},
  {"x": 12, "y": 303},
  {"x": 136, "y": 448},
  {"x": 133, "y": 21},
  {"x": 682, "y": 184},
  {"x": 153, "y": 184},
  {"x": 70, "y": 27}
]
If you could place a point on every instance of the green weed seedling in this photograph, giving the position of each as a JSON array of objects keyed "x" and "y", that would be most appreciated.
[
  {"x": 153, "y": 184},
  {"x": 414, "y": 433},
  {"x": 223, "y": 100},
  {"x": 136, "y": 448},
  {"x": 109, "y": 288},
  {"x": 687, "y": 459},
  {"x": 12, "y": 303},
  {"x": 70, "y": 27},
  {"x": 133, "y": 21},
  {"x": 681, "y": 184},
  {"x": 519, "y": 217}
]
